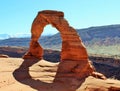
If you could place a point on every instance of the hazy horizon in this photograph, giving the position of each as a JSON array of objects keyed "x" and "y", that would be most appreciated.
[{"x": 28, "y": 35}]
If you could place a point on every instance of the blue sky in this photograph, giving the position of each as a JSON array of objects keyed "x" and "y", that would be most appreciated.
[{"x": 16, "y": 16}]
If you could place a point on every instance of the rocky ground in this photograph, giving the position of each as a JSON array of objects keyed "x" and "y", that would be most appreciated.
[{"x": 17, "y": 74}]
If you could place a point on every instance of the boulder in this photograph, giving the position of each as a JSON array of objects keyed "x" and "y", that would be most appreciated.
[{"x": 4, "y": 56}]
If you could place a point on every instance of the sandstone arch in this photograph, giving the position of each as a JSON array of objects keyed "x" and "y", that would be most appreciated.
[
  {"x": 72, "y": 46},
  {"x": 74, "y": 57}
]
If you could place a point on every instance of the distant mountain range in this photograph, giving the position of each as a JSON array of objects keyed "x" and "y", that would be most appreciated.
[{"x": 101, "y": 35}]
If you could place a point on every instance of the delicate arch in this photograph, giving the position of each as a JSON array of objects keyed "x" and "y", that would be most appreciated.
[{"x": 72, "y": 46}]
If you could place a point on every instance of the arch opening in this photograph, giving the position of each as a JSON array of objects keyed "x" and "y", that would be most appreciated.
[
  {"x": 49, "y": 30},
  {"x": 51, "y": 43}
]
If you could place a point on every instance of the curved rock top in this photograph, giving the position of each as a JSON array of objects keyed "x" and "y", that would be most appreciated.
[{"x": 56, "y": 13}]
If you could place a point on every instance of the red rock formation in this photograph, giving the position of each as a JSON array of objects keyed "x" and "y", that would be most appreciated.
[
  {"x": 4, "y": 56},
  {"x": 74, "y": 57},
  {"x": 72, "y": 46}
]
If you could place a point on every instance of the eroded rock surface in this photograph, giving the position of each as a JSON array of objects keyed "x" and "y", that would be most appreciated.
[
  {"x": 72, "y": 46},
  {"x": 16, "y": 75},
  {"x": 74, "y": 57}
]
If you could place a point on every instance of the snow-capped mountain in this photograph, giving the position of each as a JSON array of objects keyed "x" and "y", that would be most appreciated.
[{"x": 6, "y": 36}]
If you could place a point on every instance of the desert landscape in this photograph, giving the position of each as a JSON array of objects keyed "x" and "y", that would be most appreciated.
[
  {"x": 17, "y": 74},
  {"x": 71, "y": 69}
]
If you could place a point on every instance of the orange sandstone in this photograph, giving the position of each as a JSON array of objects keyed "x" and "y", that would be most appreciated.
[
  {"x": 74, "y": 57},
  {"x": 72, "y": 46}
]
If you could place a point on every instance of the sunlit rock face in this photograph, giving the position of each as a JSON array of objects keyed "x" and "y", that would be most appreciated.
[
  {"x": 72, "y": 46},
  {"x": 74, "y": 57}
]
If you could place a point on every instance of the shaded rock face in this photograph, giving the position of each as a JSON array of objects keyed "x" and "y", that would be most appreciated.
[{"x": 74, "y": 57}]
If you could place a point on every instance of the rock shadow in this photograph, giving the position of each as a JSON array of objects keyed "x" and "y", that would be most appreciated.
[{"x": 22, "y": 75}]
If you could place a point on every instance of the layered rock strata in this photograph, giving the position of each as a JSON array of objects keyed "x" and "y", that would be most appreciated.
[
  {"x": 72, "y": 46},
  {"x": 74, "y": 57}
]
